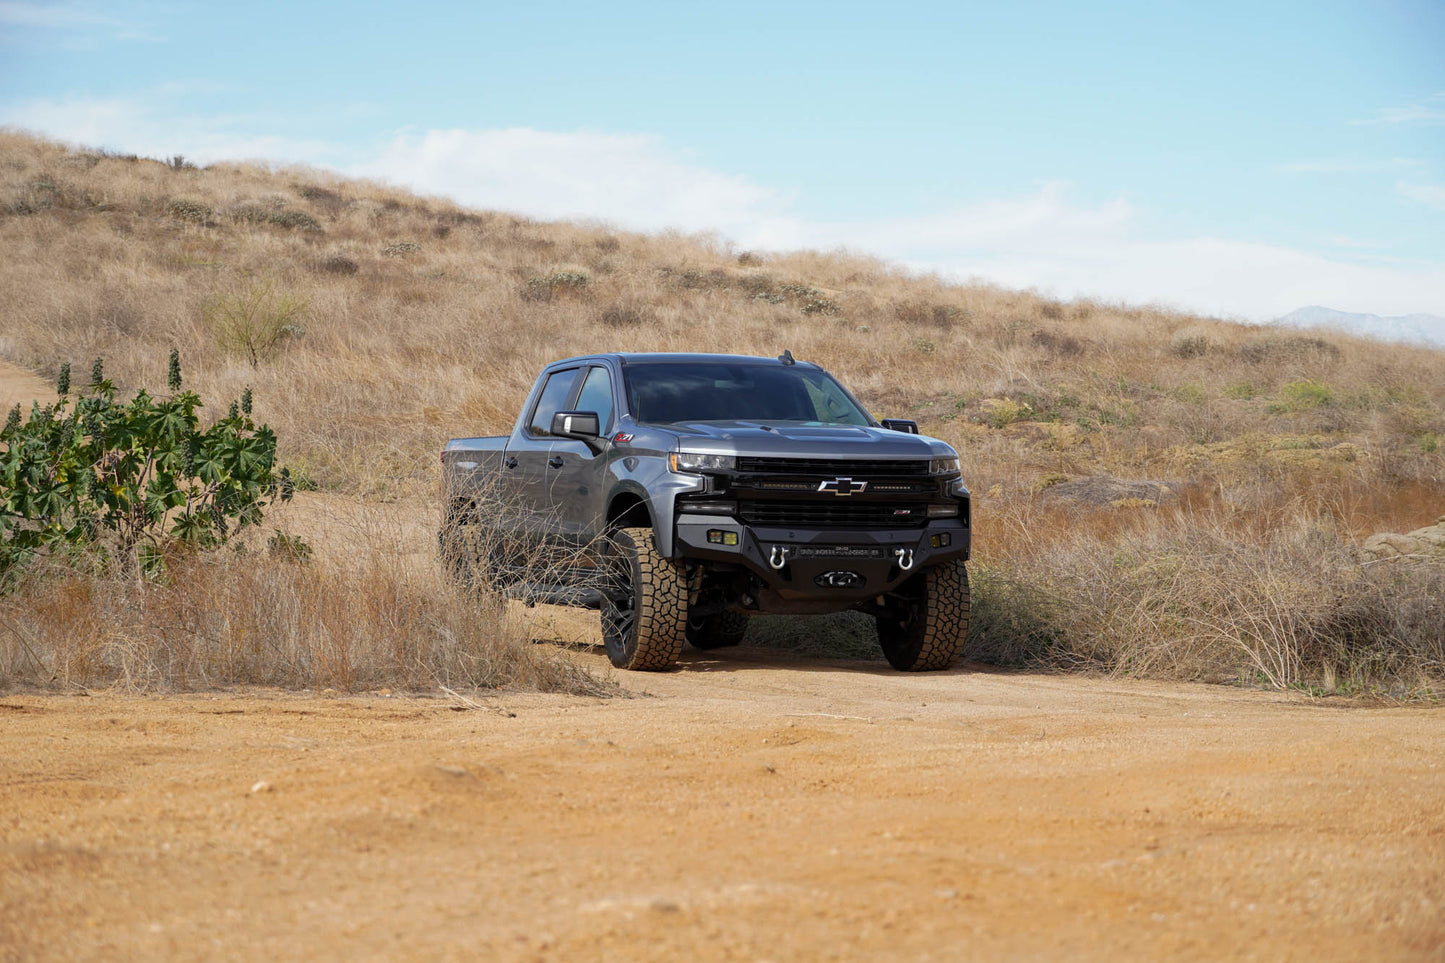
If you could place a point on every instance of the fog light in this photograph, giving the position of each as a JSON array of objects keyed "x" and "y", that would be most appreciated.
[
  {"x": 717, "y": 536},
  {"x": 942, "y": 540}
]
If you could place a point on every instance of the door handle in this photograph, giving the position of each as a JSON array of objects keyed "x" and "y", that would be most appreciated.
[
  {"x": 555, "y": 461},
  {"x": 510, "y": 462}
]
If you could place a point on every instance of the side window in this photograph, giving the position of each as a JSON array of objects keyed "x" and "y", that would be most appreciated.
[
  {"x": 597, "y": 396},
  {"x": 554, "y": 396}
]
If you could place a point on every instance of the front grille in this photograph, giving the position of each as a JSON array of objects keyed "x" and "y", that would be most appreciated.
[
  {"x": 811, "y": 514},
  {"x": 875, "y": 487},
  {"x": 851, "y": 467}
]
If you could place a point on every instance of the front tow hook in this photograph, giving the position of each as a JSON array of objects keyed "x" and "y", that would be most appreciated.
[
  {"x": 778, "y": 558},
  {"x": 905, "y": 558}
]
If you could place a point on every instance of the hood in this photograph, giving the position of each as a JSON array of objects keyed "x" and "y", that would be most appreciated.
[{"x": 777, "y": 438}]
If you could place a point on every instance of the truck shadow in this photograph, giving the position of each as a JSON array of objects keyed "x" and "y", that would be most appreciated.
[
  {"x": 752, "y": 658},
  {"x": 746, "y": 658}
]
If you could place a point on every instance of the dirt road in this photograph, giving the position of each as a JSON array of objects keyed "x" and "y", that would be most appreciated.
[
  {"x": 751, "y": 806},
  {"x": 21, "y": 387}
]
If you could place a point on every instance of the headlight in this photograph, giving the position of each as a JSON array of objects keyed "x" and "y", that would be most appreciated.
[
  {"x": 944, "y": 466},
  {"x": 693, "y": 461}
]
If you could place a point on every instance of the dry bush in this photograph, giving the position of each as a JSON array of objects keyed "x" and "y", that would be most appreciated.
[
  {"x": 1210, "y": 595},
  {"x": 255, "y": 320},
  {"x": 626, "y": 314},
  {"x": 271, "y": 619}
]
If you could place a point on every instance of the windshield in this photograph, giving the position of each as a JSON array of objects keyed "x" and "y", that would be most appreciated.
[{"x": 706, "y": 391}]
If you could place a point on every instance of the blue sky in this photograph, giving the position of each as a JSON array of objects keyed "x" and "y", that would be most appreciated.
[{"x": 1241, "y": 159}]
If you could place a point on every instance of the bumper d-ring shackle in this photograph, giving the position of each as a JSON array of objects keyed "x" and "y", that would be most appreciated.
[
  {"x": 778, "y": 558},
  {"x": 905, "y": 558}
]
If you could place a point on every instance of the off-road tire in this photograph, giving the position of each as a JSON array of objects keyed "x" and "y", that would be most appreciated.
[
  {"x": 456, "y": 545},
  {"x": 644, "y": 607},
  {"x": 471, "y": 557},
  {"x": 718, "y": 631},
  {"x": 497, "y": 567},
  {"x": 931, "y": 634}
]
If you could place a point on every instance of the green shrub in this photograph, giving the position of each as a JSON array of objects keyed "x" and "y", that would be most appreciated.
[
  {"x": 1059, "y": 345},
  {"x": 1290, "y": 347},
  {"x": 927, "y": 312},
  {"x": 254, "y": 212},
  {"x": 1189, "y": 345},
  {"x": 128, "y": 481},
  {"x": 255, "y": 321},
  {"x": 1303, "y": 396},
  {"x": 250, "y": 212},
  {"x": 1191, "y": 393},
  {"x": 190, "y": 210},
  {"x": 400, "y": 249},
  {"x": 625, "y": 315},
  {"x": 544, "y": 287},
  {"x": 288, "y": 548},
  {"x": 338, "y": 264},
  {"x": 296, "y": 220},
  {"x": 810, "y": 299}
]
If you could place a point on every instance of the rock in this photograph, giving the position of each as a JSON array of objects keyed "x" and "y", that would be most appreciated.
[
  {"x": 1429, "y": 540},
  {"x": 1105, "y": 490}
]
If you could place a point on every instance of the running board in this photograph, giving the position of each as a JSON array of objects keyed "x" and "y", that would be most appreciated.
[{"x": 546, "y": 593}]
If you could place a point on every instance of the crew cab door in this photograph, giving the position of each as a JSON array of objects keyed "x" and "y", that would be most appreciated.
[
  {"x": 579, "y": 470},
  {"x": 526, "y": 466}
]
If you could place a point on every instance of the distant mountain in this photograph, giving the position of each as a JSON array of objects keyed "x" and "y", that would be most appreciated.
[{"x": 1429, "y": 328}]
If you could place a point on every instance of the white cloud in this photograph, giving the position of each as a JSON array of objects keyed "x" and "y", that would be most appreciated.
[
  {"x": 1218, "y": 276},
  {"x": 1433, "y": 111},
  {"x": 1045, "y": 214},
  {"x": 632, "y": 180},
  {"x": 55, "y": 16},
  {"x": 80, "y": 22},
  {"x": 1432, "y": 195}
]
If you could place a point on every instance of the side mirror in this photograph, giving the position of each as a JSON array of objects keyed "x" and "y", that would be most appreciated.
[
  {"x": 905, "y": 425},
  {"x": 576, "y": 424}
]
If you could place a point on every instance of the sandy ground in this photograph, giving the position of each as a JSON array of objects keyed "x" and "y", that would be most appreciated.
[
  {"x": 21, "y": 387},
  {"x": 750, "y": 806}
]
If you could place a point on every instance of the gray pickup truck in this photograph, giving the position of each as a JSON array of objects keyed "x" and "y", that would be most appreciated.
[{"x": 680, "y": 493}]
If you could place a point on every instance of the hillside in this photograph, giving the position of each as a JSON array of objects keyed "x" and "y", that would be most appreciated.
[{"x": 373, "y": 324}]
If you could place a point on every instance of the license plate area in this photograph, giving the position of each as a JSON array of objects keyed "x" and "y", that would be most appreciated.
[{"x": 837, "y": 551}]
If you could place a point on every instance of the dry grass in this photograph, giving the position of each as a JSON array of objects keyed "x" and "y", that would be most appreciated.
[
  {"x": 1214, "y": 595},
  {"x": 423, "y": 320},
  {"x": 367, "y": 616}
]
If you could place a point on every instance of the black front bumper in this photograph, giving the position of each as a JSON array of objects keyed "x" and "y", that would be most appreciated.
[{"x": 827, "y": 565}]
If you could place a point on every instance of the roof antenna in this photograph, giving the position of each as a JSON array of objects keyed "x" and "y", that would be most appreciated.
[{"x": 786, "y": 357}]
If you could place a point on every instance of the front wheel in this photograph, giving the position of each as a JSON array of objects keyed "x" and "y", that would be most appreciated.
[
  {"x": 934, "y": 624},
  {"x": 644, "y": 604}
]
